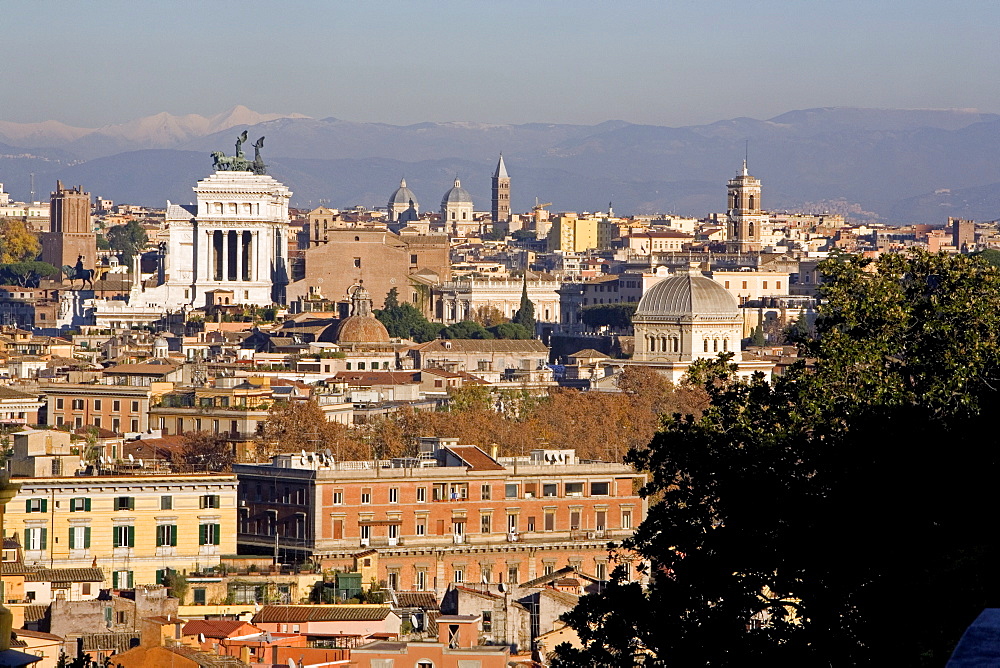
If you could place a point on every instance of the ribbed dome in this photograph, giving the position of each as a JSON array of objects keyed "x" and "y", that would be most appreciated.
[
  {"x": 362, "y": 329},
  {"x": 687, "y": 294},
  {"x": 403, "y": 195},
  {"x": 457, "y": 195}
]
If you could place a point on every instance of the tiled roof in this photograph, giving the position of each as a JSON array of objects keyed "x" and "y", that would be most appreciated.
[
  {"x": 216, "y": 628},
  {"x": 475, "y": 458},
  {"x": 7, "y": 393},
  {"x": 205, "y": 659},
  {"x": 417, "y": 599},
  {"x": 117, "y": 642},
  {"x": 147, "y": 368},
  {"x": 66, "y": 575},
  {"x": 34, "y": 613},
  {"x": 321, "y": 613},
  {"x": 28, "y": 633},
  {"x": 13, "y": 568},
  {"x": 377, "y": 377},
  {"x": 589, "y": 353},
  {"x": 484, "y": 346}
]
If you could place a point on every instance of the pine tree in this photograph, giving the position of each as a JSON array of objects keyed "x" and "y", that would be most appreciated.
[{"x": 525, "y": 315}]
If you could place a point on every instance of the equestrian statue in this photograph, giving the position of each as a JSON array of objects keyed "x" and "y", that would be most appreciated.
[
  {"x": 78, "y": 272},
  {"x": 239, "y": 162}
]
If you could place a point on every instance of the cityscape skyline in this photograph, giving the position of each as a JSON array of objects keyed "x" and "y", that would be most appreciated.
[{"x": 657, "y": 63}]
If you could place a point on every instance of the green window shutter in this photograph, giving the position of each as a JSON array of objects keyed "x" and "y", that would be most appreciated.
[
  {"x": 72, "y": 505},
  {"x": 218, "y": 534},
  {"x": 115, "y": 537},
  {"x": 27, "y": 532},
  {"x": 131, "y": 536},
  {"x": 86, "y": 504},
  {"x": 131, "y": 580},
  {"x": 215, "y": 500},
  {"x": 202, "y": 539},
  {"x": 45, "y": 538},
  {"x": 159, "y": 576},
  {"x": 86, "y": 537},
  {"x": 27, "y": 505},
  {"x": 114, "y": 581},
  {"x": 173, "y": 535},
  {"x": 72, "y": 538},
  {"x": 131, "y": 503},
  {"x": 45, "y": 505}
]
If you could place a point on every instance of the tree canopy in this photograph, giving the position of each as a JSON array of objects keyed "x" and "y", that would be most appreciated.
[
  {"x": 840, "y": 515},
  {"x": 616, "y": 316},
  {"x": 127, "y": 240},
  {"x": 26, "y": 274},
  {"x": 17, "y": 242},
  {"x": 525, "y": 315},
  {"x": 405, "y": 320}
]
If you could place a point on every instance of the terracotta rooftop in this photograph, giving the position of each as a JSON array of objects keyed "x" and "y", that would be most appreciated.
[
  {"x": 416, "y": 599},
  {"x": 476, "y": 459},
  {"x": 484, "y": 345},
  {"x": 321, "y": 613},
  {"x": 217, "y": 628},
  {"x": 65, "y": 575}
]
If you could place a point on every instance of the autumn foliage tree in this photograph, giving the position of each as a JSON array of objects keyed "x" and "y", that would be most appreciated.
[{"x": 203, "y": 451}]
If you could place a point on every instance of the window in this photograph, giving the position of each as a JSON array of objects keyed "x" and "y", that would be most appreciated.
[
  {"x": 78, "y": 404},
  {"x": 459, "y": 576},
  {"x": 548, "y": 569},
  {"x": 422, "y": 527},
  {"x": 550, "y": 521},
  {"x": 357, "y": 262},
  {"x": 122, "y": 580},
  {"x": 36, "y": 538},
  {"x": 744, "y": 285},
  {"x": 116, "y": 405},
  {"x": 599, "y": 488},
  {"x": 574, "y": 489},
  {"x": 765, "y": 285},
  {"x": 421, "y": 580},
  {"x": 485, "y": 523},
  {"x": 777, "y": 285},
  {"x": 512, "y": 574},
  {"x": 626, "y": 519},
  {"x": 393, "y": 495},
  {"x": 209, "y": 501},
  {"x": 338, "y": 497},
  {"x": 510, "y": 491},
  {"x": 550, "y": 489},
  {"x": 123, "y": 535},
  {"x": 366, "y": 495},
  {"x": 487, "y": 621},
  {"x": 421, "y": 494},
  {"x": 59, "y": 404},
  {"x": 209, "y": 534},
  {"x": 166, "y": 503},
  {"x": 78, "y": 504},
  {"x": 135, "y": 426},
  {"x": 512, "y": 523},
  {"x": 199, "y": 595},
  {"x": 366, "y": 533},
  {"x": 486, "y": 492},
  {"x": 124, "y": 503},
  {"x": 601, "y": 520},
  {"x": 166, "y": 535},
  {"x": 601, "y": 571},
  {"x": 36, "y": 505},
  {"x": 413, "y": 258}
]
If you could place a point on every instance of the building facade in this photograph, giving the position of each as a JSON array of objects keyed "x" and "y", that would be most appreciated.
[
  {"x": 454, "y": 515},
  {"x": 71, "y": 232},
  {"x": 501, "y": 195},
  {"x": 745, "y": 221}
]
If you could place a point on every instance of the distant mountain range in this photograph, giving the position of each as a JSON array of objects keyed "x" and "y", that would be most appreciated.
[{"x": 873, "y": 164}]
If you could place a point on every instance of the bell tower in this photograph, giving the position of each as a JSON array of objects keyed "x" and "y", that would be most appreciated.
[
  {"x": 743, "y": 214},
  {"x": 501, "y": 194}
]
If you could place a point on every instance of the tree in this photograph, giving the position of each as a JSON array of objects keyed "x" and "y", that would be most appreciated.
[
  {"x": 489, "y": 316},
  {"x": 294, "y": 426},
  {"x": 17, "y": 242},
  {"x": 525, "y": 315},
  {"x": 809, "y": 520},
  {"x": 26, "y": 274},
  {"x": 406, "y": 321},
  {"x": 127, "y": 240},
  {"x": 758, "y": 338},
  {"x": 510, "y": 330},
  {"x": 203, "y": 451},
  {"x": 467, "y": 329},
  {"x": 616, "y": 316}
]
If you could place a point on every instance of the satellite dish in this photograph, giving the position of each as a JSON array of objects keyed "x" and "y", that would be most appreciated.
[
  {"x": 303, "y": 455},
  {"x": 291, "y": 663},
  {"x": 131, "y": 459},
  {"x": 140, "y": 464},
  {"x": 201, "y": 638},
  {"x": 502, "y": 587}
]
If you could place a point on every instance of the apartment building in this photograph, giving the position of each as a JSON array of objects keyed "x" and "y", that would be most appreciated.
[
  {"x": 455, "y": 514},
  {"x": 132, "y": 527}
]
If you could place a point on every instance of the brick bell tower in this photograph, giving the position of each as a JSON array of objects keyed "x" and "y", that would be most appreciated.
[
  {"x": 744, "y": 217},
  {"x": 71, "y": 233}
]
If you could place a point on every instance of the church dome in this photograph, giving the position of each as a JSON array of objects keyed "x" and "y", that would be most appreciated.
[
  {"x": 403, "y": 195},
  {"x": 456, "y": 195},
  {"x": 687, "y": 294},
  {"x": 361, "y": 329}
]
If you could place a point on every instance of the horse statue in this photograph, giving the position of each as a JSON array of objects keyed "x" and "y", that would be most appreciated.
[{"x": 73, "y": 273}]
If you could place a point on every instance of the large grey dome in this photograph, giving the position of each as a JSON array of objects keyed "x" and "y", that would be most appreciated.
[
  {"x": 403, "y": 195},
  {"x": 457, "y": 195},
  {"x": 687, "y": 294}
]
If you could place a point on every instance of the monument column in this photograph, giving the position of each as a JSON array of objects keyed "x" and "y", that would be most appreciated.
[{"x": 240, "y": 263}]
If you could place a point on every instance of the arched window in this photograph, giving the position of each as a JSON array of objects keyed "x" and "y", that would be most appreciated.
[
  {"x": 751, "y": 201},
  {"x": 676, "y": 345},
  {"x": 725, "y": 345},
  {"x": 715, "y": 345},
  {"x": 750, "y": 231},
  {"x": 706, "y": 345}
]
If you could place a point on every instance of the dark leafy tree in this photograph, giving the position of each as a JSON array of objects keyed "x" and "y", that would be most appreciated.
[
  {"x": 510, "y": 330},
  {"x": 26, "y": 274},
  {"x": 525, "y": 315},
  {"x": 467, "y": 329},
  {"x": 406, "y": 321},
  {"x": 812, "y": 520},
  {"x": 203, "y": 451},
  {"x": 616, "y": 316},
  {"x": 127, "y": 240}
]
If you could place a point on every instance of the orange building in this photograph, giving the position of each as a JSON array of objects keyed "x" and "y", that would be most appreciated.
[
  {"x": 456, "y": 647},
  {"x": 454, "y": 514}
]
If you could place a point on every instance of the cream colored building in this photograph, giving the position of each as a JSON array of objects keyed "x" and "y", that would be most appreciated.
[
  {"x": 132, "y": 527},
  {"x": 455, "y": 301},
  {"x": 747, "y": 285},
  {"x": 573, "y": 234}
]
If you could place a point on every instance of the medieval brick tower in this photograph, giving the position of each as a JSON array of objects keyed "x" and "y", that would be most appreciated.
[
  {"x": 744, "y": 215},
  {"x": 501, "y": 194},
  {"x": 71, "y": 233}
]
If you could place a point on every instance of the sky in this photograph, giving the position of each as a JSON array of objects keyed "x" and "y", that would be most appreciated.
[{"x": 671, "y": 62}]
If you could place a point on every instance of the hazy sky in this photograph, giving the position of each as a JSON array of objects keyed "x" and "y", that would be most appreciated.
[{"x": 672, "y": 62}]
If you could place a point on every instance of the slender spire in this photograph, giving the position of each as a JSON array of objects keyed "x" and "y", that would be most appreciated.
[
  {"x": 501, "y": 170},
  {"x": 402, "y": 182}
]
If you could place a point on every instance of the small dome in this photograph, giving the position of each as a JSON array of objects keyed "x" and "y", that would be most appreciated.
[
  {"x": 403, "y": 195},
  {"x": 689, "y": 293},
  {"x": 457, "y": 195},
  {"x": 361, "y": 329}
]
